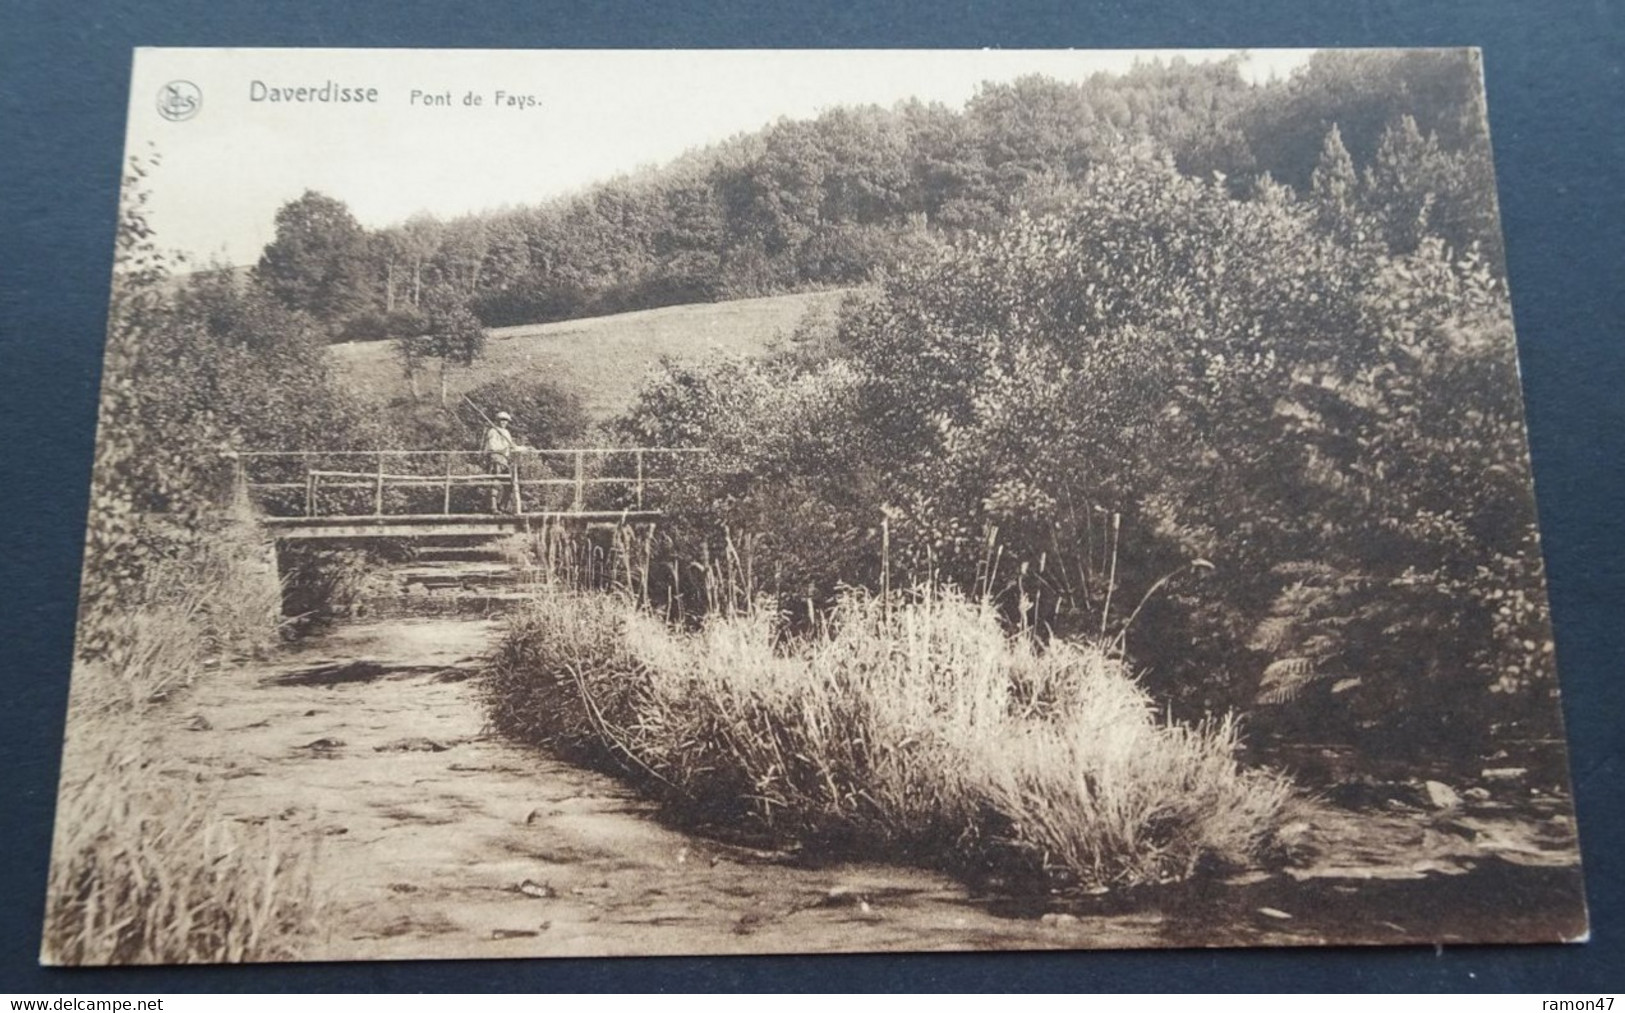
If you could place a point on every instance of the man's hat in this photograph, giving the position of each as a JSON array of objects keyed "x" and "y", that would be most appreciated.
[{"x": 504, "y": 417}]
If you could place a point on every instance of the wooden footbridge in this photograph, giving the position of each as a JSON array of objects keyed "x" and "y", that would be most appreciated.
[{"x": 425, "y": 493}]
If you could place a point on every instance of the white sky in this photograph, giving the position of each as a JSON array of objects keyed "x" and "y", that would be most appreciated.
[{"x": 224, "y": 172}]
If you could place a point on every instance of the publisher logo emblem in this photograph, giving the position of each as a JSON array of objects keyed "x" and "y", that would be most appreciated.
[{"x": 179, "y": 100}]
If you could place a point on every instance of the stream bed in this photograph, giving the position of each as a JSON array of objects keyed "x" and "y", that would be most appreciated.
[{"x": 438, "y": 839}]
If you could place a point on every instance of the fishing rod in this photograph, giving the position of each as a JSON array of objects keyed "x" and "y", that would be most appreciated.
[{"x": 477, "y": 411}]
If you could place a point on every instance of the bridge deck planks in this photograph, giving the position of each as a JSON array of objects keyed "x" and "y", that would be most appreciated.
[{"x": 431, "y": 525}]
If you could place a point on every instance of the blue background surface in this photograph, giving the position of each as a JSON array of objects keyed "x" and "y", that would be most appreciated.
[{"x": 1556, "y": 93}]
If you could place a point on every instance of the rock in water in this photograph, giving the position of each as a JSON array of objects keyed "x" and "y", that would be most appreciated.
[
  {"x": 415, "y": 744},
  {"x": 541, "y": 891},
  {"x": 1441, "y": 795}
]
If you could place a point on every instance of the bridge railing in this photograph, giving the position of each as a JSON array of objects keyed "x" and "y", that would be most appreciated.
[{"x": 452, "y": 483}]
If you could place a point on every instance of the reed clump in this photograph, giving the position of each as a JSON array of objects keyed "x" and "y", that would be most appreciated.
[{"x": 911, "y": 726}]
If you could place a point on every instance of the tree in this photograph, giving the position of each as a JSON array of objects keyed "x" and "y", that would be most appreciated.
[
  {"x": 507, "y": 257},
  {"x": 460, "y": 259},
  {"x": 452, "y": 334},
  {"x": 422, "y": 235},
  {"x": 1416, "y": 188},
  {"x": 1363, "y": 92},
  {"x": 137, "y": 472},
  {"x": 1398, "y": 183},
  {"x": 1335, "y": 185},
  {"x": 838, "y": 199},
  {"x": 318, "y": 261},
  {"x": 389, "y": 250}
]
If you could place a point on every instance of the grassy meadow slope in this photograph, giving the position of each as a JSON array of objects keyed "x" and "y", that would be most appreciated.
[{"x": 605, "y": 358}]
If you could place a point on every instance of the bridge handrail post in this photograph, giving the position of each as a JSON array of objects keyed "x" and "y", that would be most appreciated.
[
  {"x": 638, "y": 457},
  {"x": 310, "y": 491},
  {"x": 241, "y": 504},
  {"x": 447, "y": 508},
  {"x": 581, "y": 481},
  {"x": 513, "y": 476},
  {"x": 378, "y": 489}
]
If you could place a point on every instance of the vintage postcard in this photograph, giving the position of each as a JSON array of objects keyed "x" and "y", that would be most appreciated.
[{"x": 605, "y": 503}]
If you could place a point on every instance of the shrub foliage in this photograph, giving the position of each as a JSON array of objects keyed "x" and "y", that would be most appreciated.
[{"x": 1272, "y": 451}]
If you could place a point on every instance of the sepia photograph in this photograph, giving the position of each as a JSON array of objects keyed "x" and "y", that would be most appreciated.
[{"x": 608, "y": 503}]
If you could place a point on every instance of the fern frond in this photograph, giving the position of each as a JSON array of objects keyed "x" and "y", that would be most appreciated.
[
  {"x": 1285, "y": 678},
  {"x": 1271, "y": 633}
]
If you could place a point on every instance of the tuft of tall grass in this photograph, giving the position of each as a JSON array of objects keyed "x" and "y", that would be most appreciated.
[
  {"x": 911, "y": 726},
  {"x": 145, "y": 872},
  {"x": 145, "y": 869},
  {"x": 320, "y": 583},
  {"x": 217, "y": 602}
]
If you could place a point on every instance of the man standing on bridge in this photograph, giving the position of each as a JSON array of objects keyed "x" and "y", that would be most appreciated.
[{"x": 499, "y": 448}]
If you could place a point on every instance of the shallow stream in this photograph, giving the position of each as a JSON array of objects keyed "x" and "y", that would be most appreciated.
[{"x": 438, "y": 839}]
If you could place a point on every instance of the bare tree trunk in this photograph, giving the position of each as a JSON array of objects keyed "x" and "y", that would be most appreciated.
[
  {"x": 389, "y": 287},
  {"x": 442, "y": 383}
]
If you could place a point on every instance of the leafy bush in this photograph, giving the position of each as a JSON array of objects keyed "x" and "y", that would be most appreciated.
[
  {"x": 321, "y": 583},
  {"x": 545, "y": 413},
  {"x": 785, "y": 469}
]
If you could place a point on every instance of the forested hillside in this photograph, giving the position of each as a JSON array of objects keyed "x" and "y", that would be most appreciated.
[{"x": 833, "y": 201}]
